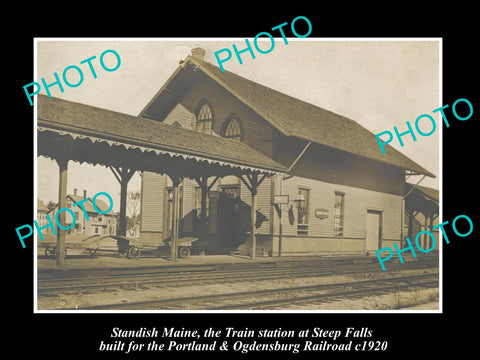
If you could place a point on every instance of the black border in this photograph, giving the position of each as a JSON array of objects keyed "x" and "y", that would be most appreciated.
[{"x": 65, "y": 335}]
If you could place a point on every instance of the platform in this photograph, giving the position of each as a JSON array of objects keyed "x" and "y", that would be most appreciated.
[{"x": 89, "y": 266}]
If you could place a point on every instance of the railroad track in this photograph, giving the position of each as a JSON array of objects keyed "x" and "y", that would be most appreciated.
[
  {"x": 276, "y": 298},
  {"x": 52, "y": 287}
]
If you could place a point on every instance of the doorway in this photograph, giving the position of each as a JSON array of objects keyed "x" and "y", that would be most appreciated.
[
  {"x": 373, "y": 237},
  {"x": 229, "y": 217}
]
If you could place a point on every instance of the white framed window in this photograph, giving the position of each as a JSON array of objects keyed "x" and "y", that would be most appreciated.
[{"x": 339, "y": 213}]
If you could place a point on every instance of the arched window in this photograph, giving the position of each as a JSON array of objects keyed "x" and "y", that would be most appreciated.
[
  {"x": 232, "y": 129},
  {"x": 204, "y": 119}
]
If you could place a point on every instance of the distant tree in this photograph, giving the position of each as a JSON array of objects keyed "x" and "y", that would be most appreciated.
[
  {"x": 51, "y": 205},
  {"x": 133, "y": 205},
  {"x": 130, "y": 222}
]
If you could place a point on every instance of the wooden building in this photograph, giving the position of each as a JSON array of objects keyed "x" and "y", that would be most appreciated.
[
  {"x": 98, "y": 224},
  {"x": 68, "y": 131},
  {"x": 42, "y": 211},
  {"x": 345, "y": 196}
]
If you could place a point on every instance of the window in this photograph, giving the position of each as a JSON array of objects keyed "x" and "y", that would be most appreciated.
[
  {"x": 204, "y": 119},
  {"x": 96, "y": 230},
  {"x": 232, "y": 129},
  {"x": 231, "y": 191},
  {"x": 303, "y": 208},
  {"x": 338, "y": 213}
]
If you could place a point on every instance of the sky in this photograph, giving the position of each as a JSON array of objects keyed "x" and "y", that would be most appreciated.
[{"x": 379, "y": 83}]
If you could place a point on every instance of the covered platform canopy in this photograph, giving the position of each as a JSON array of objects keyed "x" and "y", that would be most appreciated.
[
  {"x": 71, "y": 131},
  {"x": 421, "y": 200}
]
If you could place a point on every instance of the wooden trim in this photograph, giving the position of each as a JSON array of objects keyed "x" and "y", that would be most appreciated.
[
  {"x": 115, "y": 172},
  {"x": 299, "y": 156},
  {"x": 245, "y": 182},
  {"x": 107, "y": 136},
  {"x": 374, "y": 208},
  {"x": 209, "y": 187}
]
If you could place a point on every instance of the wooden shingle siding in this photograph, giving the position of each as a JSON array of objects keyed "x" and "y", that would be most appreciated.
[{"x": 180, "y": 115}]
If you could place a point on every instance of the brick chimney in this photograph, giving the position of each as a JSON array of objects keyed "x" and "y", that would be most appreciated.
[
  {"x": 84, "y": 194},
  {"x": 198, "y": 53},
  {"x": 74, "y": 192}
]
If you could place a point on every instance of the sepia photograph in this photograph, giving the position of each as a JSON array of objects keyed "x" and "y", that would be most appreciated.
[{"x": 305, "y": 178}]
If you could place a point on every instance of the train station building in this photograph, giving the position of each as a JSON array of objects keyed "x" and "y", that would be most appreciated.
[
  {"x": 241, "y": 167},
  {"x": 339, "y": 196}
]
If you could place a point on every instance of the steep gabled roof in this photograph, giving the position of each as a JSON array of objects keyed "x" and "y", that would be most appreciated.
[
  {"x": 87, "y": 204},
  {"x": 41, "y": 206},
  {"x": 293, "y": 117},
  {"x": 102, "y": 206}
]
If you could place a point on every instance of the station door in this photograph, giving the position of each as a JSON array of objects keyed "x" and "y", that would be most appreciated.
[{"x": 373, "y": 237}]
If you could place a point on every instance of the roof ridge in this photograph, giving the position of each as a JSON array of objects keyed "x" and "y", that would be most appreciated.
[
  {"x": 277, "y": 91},
  {"x": 393, "y": 157}
]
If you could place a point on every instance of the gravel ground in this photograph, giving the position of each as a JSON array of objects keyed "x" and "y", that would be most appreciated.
[{"x": 426, "y": 299}]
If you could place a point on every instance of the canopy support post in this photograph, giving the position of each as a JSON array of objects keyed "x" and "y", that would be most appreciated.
[
  {"x": 252, "y": 182},
  {"x": 202, "y": 181},
  {"x": 176, "y": 180},
  {"x": 62, "y": 203},
  {"x": 123, "y": 176}
]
